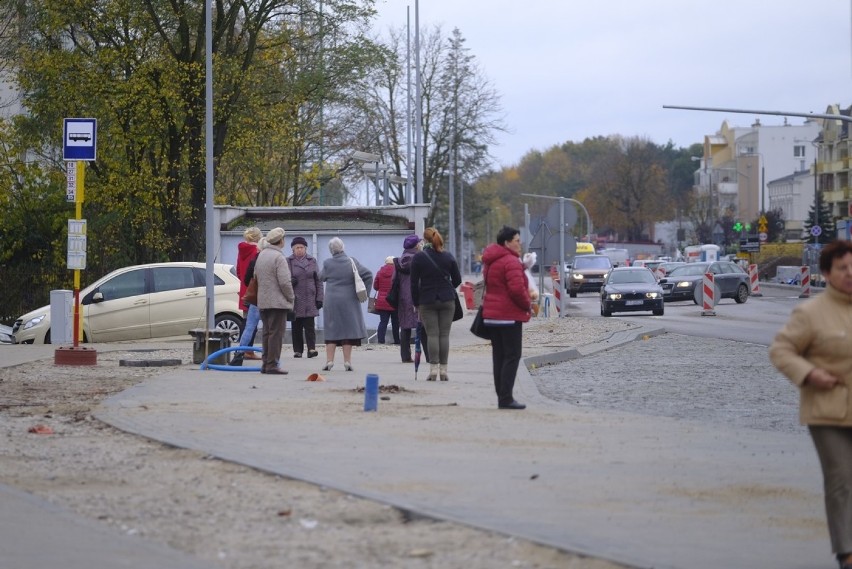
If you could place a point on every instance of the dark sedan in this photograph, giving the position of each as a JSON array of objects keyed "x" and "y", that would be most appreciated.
[
  {"x": 731, "y": 281},
  {"x": 631, "y": 289}
]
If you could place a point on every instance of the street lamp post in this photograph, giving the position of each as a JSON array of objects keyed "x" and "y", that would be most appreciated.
[{"x": 370, "y": 162}]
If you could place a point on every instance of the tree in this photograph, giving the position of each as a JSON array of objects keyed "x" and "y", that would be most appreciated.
[
  {"x": 461, "y": 114},
  {"x": 825, "y": 221},
  {"x": 139, "y": 67}
]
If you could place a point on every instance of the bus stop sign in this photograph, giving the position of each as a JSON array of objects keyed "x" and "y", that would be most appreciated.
[{"x": 79, "y": 139}]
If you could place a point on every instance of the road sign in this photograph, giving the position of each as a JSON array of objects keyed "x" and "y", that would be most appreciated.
[
  {"x": 816, "y": 230},
  {"x": 763, "y": 236},
  {"x": 80, "y": 139}
]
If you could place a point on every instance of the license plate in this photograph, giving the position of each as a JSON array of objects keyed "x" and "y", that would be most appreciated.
[{"x": 632, "y": 303}]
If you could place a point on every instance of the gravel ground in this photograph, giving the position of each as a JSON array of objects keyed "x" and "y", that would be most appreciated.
[
  {"x": 723, "y": 382},
  {"x": 233, "y": 516}
]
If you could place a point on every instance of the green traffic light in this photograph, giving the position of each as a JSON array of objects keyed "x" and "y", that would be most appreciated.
[{"x": 738, "y": 226}]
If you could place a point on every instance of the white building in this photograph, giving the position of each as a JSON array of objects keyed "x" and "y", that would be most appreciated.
[
  {"x": 794, "y": 196},
  {"x": 740, "y": 162}
]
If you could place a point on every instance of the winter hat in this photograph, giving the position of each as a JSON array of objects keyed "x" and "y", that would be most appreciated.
[
  {"x": 411, "y": 241},
  {"x": 389, "y": 260},
  {"x": 298, "y": 241},
  {"x": 275, "y": 236}
]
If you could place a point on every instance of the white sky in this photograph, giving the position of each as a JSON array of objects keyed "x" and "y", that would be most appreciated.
[{"x": 572, "y": 69}]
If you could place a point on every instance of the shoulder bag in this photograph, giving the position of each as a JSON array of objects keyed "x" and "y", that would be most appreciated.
[
  {"x": 360, "y": 287},
  {"x": 459, "y": 313},
  {"x": 478, "y": 327},
  {"x": 371, "y": 305},
  {"x": 392, "y": 297},
  {"x": 250, "y": 295}
]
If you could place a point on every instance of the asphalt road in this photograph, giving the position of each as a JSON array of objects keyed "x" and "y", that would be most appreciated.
[{"x": 712, "y": 369}]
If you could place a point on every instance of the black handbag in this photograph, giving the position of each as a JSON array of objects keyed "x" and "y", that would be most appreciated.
[
  {"x": 459, "y": 313},
  {"x": 392, "y": 297},
  {"x": 478, "y": 328}
]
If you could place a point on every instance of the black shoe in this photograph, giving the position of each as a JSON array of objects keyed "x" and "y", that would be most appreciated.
[
  {"x": 312, "y": 353},
  {"x": 237, "y": 361},
  {"x": 512, "y": 405},
  {"x": 297, "y": 354}
]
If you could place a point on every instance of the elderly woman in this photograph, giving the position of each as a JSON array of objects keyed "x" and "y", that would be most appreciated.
[
  {"x": 274, "y": 298},
  {"x": 813, "y": 351},
  {"x": 343, "y": 321},
  {"x": 309, "y": 297},
  {"x": 387, "y": 313}
]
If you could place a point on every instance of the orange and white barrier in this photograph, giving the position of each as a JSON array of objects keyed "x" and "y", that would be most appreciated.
[
  {"x": 708, "y": 286},
  {"x": 659, "y": 272},
  {"x": 754, "y": 280},
  {"x": 805, "y": 280}
]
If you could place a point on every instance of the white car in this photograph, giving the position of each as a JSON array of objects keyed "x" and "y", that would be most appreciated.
[{"x": 145, "y": 301}]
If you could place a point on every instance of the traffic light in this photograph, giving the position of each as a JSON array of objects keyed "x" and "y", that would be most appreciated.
[{"x": 738, "y": 226}]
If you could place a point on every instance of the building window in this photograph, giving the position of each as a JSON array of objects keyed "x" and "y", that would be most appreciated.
[{"x": 799, "y": 151}]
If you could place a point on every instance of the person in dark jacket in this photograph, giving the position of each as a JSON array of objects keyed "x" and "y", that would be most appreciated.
[
  {"x": 406, "y": 312},
  {"x": 382, "y": 284},
  {"x": 506, "y": 306},
  {"x": 309, "y": 297},
  {"x": 434, "y": 278}
]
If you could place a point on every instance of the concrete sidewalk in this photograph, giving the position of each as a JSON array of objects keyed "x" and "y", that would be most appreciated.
[{"x": 643, "y": 491}]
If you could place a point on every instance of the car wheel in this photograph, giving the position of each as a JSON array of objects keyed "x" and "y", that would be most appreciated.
[
  {"x": 742, "y": 294},
  {"x": 231, "y": 323},
  {"x": 47, "y": 337},
  {"x": 605, "y": 312},
  {"x": 659, "y": 312},
  {"x": 572, "y": 294}
]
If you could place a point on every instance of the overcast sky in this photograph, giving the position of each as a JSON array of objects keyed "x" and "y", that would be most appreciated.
[{"x": 572, "y": 69}]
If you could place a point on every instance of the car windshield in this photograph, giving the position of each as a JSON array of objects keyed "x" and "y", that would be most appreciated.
[
  {"x": 625, "y": 277},
  {"x": 689, "y": 270},
  {"x": 592, "y": 263}
]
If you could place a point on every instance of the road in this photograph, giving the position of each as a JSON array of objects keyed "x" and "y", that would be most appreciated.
[{"x": 756, "y": 321}]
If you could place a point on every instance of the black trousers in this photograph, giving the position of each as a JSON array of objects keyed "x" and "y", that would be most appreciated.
[
  {"x": 405, "y": 335},
  {"x": 506, "y": 346},
  {"x": 304, "y": 330},
  {"x": 381, "y": 331}
]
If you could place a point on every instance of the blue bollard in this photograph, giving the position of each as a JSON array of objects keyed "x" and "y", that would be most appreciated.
[{"x": 371, "y": 392}]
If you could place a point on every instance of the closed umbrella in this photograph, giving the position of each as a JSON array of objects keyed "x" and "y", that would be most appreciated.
[{"x": 417, "y": 349}]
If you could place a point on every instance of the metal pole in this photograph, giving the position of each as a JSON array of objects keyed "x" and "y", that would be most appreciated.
[
  {"x": 208, "y": 161},
  {"x": 409, "y": 194},
  {"x": 418, "y": 104},
  {"x": 562, "y": 256}
]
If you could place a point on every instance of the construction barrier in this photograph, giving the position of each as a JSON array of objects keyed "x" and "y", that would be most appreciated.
[
  {"x": 659, "y": 272},
  {"x": 708, "y": 294},
  {"x": 805, "y": 280},
  {"x": 754, "y": 280}
]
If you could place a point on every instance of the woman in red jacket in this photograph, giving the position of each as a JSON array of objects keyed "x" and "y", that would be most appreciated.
[
  {"x": 505, "y": 307},
  {"x": 382, "y": 285}
]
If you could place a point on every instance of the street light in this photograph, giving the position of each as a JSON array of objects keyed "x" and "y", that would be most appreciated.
[{"x": 367, "y": 158}]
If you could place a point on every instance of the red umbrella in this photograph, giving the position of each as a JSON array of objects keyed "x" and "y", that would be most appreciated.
[{"x": 417, "y": 350}]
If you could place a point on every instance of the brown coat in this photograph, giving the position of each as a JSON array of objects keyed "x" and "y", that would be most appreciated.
[{"x": 819, "y": 334}]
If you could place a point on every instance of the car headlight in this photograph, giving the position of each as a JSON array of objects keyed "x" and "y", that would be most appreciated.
[
  {"x": 614, "y": 296},
  {"x": 578, "y": 276},
  {"x": 652, "y": 295},
  {"x": 33, "y": 322},
  {"x": 684, "y": 284}
]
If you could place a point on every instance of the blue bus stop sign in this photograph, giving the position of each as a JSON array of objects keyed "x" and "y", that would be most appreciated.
[{"x": 79, "y": 139}]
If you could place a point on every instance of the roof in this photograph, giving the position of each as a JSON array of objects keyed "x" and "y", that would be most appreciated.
[{"x": 320, "y": 220}]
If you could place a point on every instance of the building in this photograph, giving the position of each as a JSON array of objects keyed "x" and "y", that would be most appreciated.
[
  {"x": 833, "y": 169},
  {"x": 739, "y": 162},
  {"x": 794, "y": 196}
]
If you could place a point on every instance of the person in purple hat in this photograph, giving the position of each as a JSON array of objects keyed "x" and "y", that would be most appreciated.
[
  {"x": 309, "y": 297},
  {"x": 405, "y": 306}
]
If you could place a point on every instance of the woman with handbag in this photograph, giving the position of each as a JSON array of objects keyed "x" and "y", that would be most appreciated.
[
  {"x": 434, "y": 278},
  {"x": 387, "y": 313},
  {"x": 309, "y": 297},
  {"x": 506, "y": 305},
  {"x": 343, "y": 321}
]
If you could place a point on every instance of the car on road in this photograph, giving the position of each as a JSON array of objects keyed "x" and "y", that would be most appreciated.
[
  {"x": 730, "y": 279},
  {"x": 5, "y": 334},
  {"x": 145, "y": 301},
  {"x": 631, "y": 289},
  {"x": 587, "y": 274}
]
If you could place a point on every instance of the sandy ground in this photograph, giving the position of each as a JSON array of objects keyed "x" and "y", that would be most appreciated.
[{"x": 229, "y": 514}]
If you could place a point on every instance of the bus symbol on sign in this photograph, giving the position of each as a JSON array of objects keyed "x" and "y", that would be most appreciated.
[{"x": 80, "y": 139}]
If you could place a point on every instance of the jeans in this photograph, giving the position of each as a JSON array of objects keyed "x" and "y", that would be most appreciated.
[
  {"x": 381, "y": 331},
  {"x": 250, "y": 328},
  {"x": 437, "y": 319}
]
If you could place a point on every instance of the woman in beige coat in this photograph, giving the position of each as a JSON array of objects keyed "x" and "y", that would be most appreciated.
[{"x": 814, "y": 350}]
